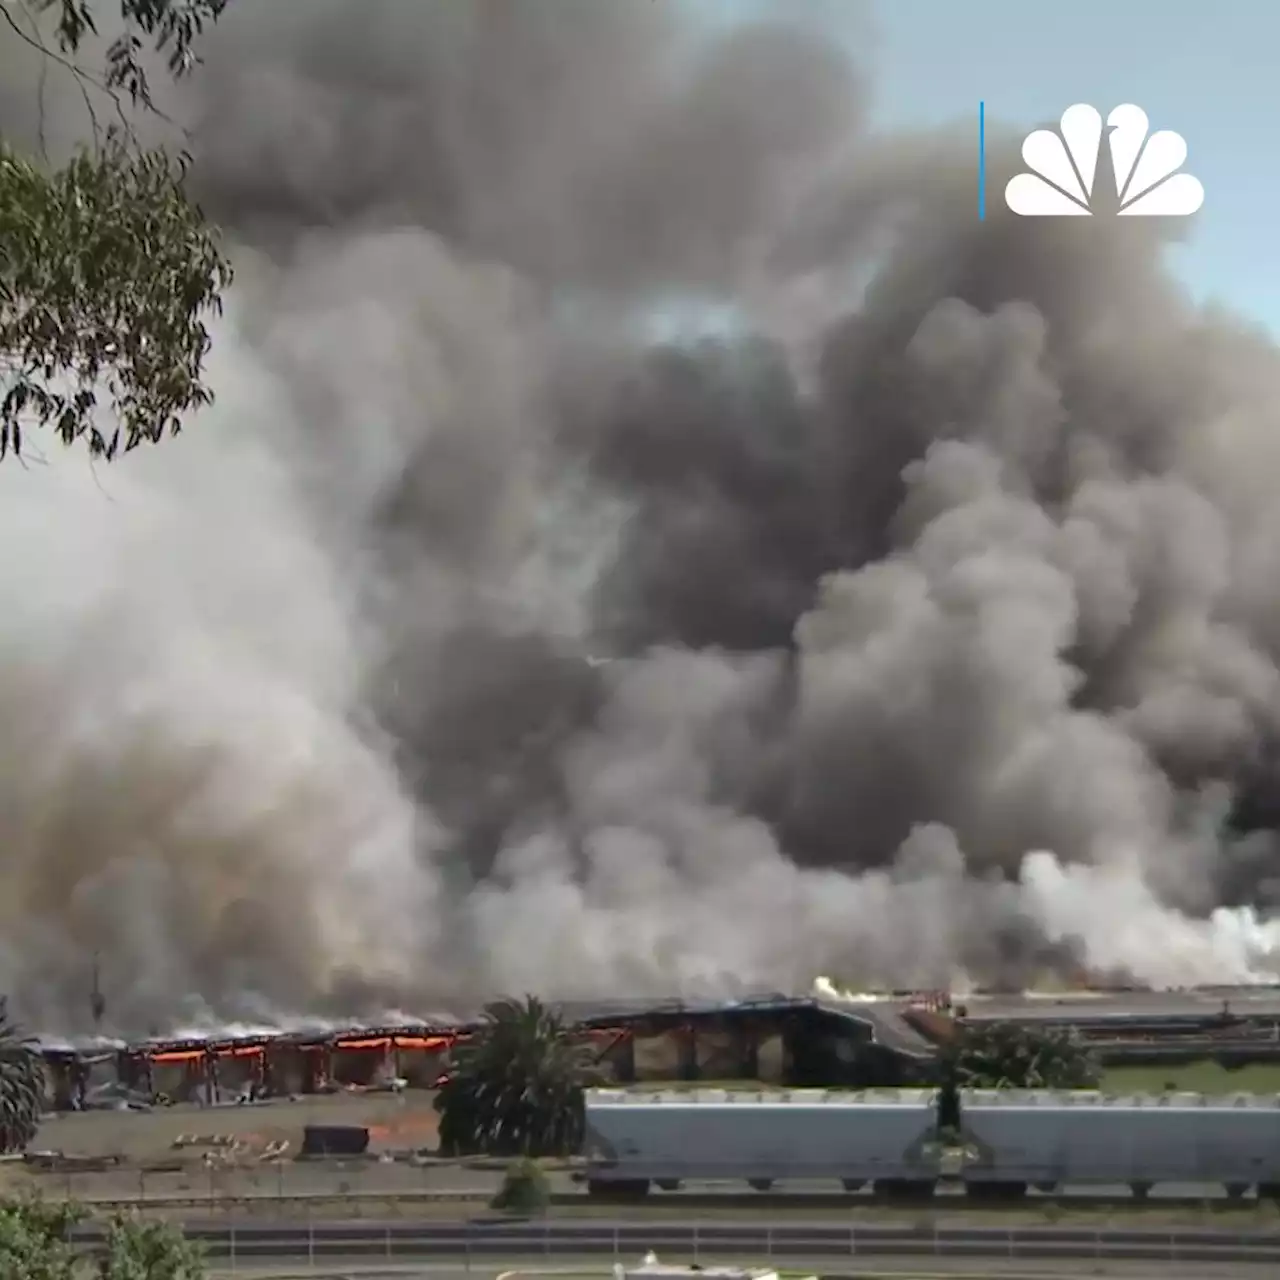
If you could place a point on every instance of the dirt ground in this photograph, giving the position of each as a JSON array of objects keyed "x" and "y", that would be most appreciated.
[
  {"x": 253, "y": 1152},
  {"x": 395, "y": 1122}
]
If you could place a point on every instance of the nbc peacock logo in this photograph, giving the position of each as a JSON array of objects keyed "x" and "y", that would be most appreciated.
[{"x": 1064, "y": 165}]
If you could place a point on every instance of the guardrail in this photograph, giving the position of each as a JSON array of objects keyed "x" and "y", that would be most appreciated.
[
  {"x": 367, "y": 1182},
  {"x": 502, "y": 1243}
]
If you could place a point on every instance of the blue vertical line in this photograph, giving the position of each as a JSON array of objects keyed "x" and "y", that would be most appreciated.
[{"x": 982, "y": 160}]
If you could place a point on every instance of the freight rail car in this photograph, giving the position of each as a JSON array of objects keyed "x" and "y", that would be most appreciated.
[{"x": 1010, "y": 1140}]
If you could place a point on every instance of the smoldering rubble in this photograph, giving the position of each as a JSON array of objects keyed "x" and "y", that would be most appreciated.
[{"x": 501, "y": 629}]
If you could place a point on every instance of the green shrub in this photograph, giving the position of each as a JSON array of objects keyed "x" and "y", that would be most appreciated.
[{"x": 525, "y": 1189}]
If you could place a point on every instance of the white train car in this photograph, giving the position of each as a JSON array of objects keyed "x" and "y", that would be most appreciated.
[
  {"x": 1012, "y": 1139},
  {"x": 1052, "y": 1139},
  {"x": 667, "y": 1138}
]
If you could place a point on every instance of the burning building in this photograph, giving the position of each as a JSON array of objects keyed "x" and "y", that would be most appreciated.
[{"x": 772, "y": 1039}]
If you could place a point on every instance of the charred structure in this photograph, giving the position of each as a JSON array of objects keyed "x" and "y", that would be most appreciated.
[{"x": 771, "y": 1039}]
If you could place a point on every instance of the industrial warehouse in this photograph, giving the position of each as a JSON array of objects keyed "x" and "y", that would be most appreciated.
[
  {"x": 847, "y": 1100},
  {"x": 862, "y": 1042},
  {"x": 772, "y": 1038}
]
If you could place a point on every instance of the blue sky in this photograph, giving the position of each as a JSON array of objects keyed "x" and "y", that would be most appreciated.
[{"x": 1205, "y": 68}]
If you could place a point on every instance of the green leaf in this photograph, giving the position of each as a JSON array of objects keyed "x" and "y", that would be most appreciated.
[
  {"x": 1008, "y": 1056},
  {"x": 22, "y": 1085},
  {"x": 107, "y": 271},
  {"x": 169, "y": 27},
  {"x": 515, "y": 1087}
]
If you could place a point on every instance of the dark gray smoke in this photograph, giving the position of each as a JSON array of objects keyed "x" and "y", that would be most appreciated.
[{"x": 921, "y": 627}]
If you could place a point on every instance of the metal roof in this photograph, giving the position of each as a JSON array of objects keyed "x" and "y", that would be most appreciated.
[
  {"x": 1013, "y": 1099},
  {"x": 881, "y": 1021},
  {"x": 598, "y": 1010}
]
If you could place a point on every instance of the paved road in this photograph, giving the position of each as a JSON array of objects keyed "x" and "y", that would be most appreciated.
[
  {"x": 289, "y": 1270},
  {"x": 521, "y": 1242},
  {"x": 1080, "y": 1195},
  {"x": 463, "y": 1186},
  {"x": 949, "y": 1194},
  {"x": 905, "y": 1268}
]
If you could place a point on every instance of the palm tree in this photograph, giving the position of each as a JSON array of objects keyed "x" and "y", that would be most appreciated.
[
  {"x": 22, "y": 1085},
  {"x": 515, "y": 1085},
  {"x": 947, "y": 1104}
]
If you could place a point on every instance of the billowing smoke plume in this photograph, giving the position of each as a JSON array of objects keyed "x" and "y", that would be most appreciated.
[{"x": 924, "y": 623}]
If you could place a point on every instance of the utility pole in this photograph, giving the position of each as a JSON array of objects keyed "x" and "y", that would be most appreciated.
[{"x": 97, "y": 1001}]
